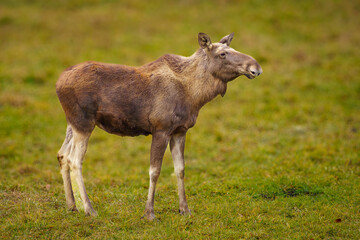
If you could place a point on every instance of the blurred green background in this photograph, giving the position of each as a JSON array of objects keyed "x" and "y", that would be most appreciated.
[{"x": 276, "y": 158}]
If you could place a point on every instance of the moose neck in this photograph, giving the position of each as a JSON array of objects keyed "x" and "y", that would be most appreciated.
[{"x": 201, "y": 84}]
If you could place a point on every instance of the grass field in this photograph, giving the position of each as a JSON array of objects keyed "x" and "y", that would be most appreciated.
[{"x": 277, "y": 158}]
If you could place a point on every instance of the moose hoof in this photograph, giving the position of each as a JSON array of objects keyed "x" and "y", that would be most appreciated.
[
  {"x": 72, "y": 208},
  {"x": 185, "y": 211},
  {"x": 150, "y": 216},
  {"x": 90, "y": 212}
]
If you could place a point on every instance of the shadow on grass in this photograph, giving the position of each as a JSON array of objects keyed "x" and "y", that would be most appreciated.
[{"x": 286, "y": 188}]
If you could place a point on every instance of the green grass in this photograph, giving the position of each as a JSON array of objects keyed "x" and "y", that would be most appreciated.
[{"x": 277, "y": 158}]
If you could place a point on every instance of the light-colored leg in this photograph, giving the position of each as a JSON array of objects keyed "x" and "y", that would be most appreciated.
[
  {"x": 177, "y": 147},
  {"x": 79, "y": 146},
  {"x": 159, "y": 143},
  {"x": 65, "y": 168}
]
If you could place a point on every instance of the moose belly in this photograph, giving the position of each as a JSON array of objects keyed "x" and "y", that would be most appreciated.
[{"x": 120, "y": 125}]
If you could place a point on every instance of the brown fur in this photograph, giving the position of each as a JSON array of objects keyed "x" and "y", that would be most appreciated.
[{"x": 162, "y": 98}]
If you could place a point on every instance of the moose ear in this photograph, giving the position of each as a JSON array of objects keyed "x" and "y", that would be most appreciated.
[
  {"x": 227, "y": 39},
  {"x": 204, "y": 41}
]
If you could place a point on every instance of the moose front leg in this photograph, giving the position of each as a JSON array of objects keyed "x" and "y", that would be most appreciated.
[
  {"x": 159, "y": 143},
  {"x": 177, "y": 146}
]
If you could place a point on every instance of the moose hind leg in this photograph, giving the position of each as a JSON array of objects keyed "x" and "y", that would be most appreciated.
[
  {"x": 62, "y": 156},
  {"x": 80, "y": 141},
  {"x": 177, "y": 146}
]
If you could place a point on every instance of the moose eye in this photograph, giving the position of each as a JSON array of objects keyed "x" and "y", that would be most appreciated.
[{"x": 222, "y": 54}]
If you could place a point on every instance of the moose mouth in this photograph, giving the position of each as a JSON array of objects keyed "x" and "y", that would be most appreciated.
[{"x": 249, "y": 76}]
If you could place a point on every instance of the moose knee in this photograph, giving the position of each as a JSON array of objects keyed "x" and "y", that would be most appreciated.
[
  {"x": 60, "y": 159},
  {"x": 75, "y": 166},
  {"x": 63, "y": 161},
  {"x": 180, "y": 172},
  {"x": 154, "y": 174}
]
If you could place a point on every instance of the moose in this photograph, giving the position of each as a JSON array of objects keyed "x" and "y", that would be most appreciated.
[{"x": 162, "y": 98}]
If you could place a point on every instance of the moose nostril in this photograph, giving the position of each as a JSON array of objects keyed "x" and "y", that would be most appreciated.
[{"x": 255, "y": 71}]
